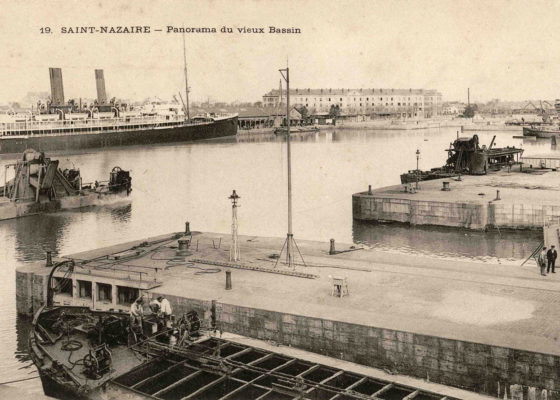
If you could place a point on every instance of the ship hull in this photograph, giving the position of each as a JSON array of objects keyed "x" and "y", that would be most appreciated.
[
  {"x": 77, "y": 141},
  {"x": 540, "y": 133}
]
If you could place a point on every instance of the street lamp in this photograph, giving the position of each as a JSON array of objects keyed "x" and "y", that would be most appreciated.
[
  {"x": 234, "y": 254},
  {"x": 417, "y": 169}
]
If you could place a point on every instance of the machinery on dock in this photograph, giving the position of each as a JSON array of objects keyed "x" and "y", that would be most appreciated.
[
  {"x": 466, "y": 156},
  {"x": 40, "y": 185}
]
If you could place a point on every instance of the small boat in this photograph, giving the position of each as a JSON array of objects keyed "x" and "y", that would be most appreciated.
[
  {"x": 541, "y": 132},
  {"x": 40, "y": 186},
  {"x": 296, "y": 129}
]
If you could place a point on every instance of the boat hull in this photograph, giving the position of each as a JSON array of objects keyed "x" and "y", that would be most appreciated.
[
  {"x": 185, "y": 133},
  {"x": 540, "y": 133},
  {"x": 11, "y": 209},
  {"x": 57, "y": 390}
]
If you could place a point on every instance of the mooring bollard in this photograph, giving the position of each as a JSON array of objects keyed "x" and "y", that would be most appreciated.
[
  {"x": 446, "y": 187},
  {"x": 498, "y": 195},
  {"x": 228, "y": 280},
  {"x": 49, "y": 259},
  {"x": 332, "y": 250},
  {"x": 187, "y": 228},
  {"x": 369, "y": 190}
]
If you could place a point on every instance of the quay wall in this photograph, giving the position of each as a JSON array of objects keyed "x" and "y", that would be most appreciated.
[
  {"x": 477, "y": 367},
  {"x": 31, "y": 290},
  {"x": 470, "y": 215}
]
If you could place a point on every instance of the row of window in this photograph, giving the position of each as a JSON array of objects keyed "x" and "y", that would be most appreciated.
[
  {"x": 373, "y": 105},
  {"x": 341, "y": 99},
  {"x": 104, "y": 292}
]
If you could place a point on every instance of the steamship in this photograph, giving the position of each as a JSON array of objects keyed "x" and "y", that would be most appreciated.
[{"x": 68, "y": 126}]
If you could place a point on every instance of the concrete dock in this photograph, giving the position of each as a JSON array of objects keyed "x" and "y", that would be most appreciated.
[
  {"x": 525, "y": 201},
  {"x": 482, "y": 327}
]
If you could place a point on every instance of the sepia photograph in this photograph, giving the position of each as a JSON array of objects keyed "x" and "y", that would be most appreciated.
[{"x": 280, "y": 200}]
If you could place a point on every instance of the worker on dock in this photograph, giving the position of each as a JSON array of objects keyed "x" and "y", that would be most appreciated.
[
  {"x": 551, "y": 256},
  {"x": 161, "y": 306},
  {"x": 137, "y": 312},
  {"x": 541, "y": 261}
]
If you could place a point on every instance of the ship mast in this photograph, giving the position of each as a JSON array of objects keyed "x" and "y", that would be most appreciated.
[
  {"x": 186, "y": 79},
  {"x": 290, "y": 243}
]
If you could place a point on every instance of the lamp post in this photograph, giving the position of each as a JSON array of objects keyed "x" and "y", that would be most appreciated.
[
  {"x": 234, "y": 250},
  {"x": 417, "y": 168}
]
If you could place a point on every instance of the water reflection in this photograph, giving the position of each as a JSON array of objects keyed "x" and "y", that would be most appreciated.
[
  {"x": 23, "y": 328},
  {"x": 121, "y": 214},
  {"x": 37, "y": 234},
  {"x": 504, "y": 246}
]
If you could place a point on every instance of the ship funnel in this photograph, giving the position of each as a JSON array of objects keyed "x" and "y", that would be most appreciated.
[
  {"x": 100, "y": 83},
  {"x": 57, "y": 88}
]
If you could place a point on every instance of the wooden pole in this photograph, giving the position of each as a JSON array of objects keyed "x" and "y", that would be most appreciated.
[
  {"x": 186, "y": 79},
  {"x": 38, "y": 188},
  {"x": 290, "y": 233}
]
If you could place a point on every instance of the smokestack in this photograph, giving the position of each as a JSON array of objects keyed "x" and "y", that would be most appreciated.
[
  {"x": 100, "y": 84},
  {"x": 57, "y": 88},
  {"x": 469, "y": 96}
]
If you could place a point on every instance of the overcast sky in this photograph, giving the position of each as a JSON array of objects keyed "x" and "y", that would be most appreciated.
[{"x": 500, "y": 49}]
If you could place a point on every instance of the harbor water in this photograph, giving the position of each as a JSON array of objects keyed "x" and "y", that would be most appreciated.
[{"x": 192, "y": 181}]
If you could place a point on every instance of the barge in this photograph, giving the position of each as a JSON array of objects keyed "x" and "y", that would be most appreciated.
[
  {"x": 39, "y": 185},
  {"x": 541, "y": 132},
  {"x": 82, "y": 354}
]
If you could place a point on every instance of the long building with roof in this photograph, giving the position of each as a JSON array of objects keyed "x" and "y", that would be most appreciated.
[{"x": 399, "y": 103}]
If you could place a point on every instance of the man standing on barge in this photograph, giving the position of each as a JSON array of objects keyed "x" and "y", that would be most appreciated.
[
  {"x": 137, "y": 312},
  {"x": 551, "y": 256},
  {"x": 541, "y": 261}
]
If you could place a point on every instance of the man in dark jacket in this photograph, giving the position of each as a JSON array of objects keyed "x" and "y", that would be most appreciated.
[{"x": 551, "y": 259}]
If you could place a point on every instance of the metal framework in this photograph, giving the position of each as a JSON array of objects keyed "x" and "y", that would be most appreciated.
[{"x": 220, "y": 369}]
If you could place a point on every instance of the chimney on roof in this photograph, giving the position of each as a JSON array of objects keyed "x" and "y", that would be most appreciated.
[{"x": 330, "y": 90}]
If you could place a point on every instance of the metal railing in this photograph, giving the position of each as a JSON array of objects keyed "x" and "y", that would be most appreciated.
[{"x": 93, "y": 125}]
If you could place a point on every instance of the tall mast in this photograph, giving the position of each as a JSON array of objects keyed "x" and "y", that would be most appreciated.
[
  {"x": 290, "y": 243},
  {"x": 290, "y": 233},
  {"x": 186, "y": 79},
  {"x": 280, "y": 86}
]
